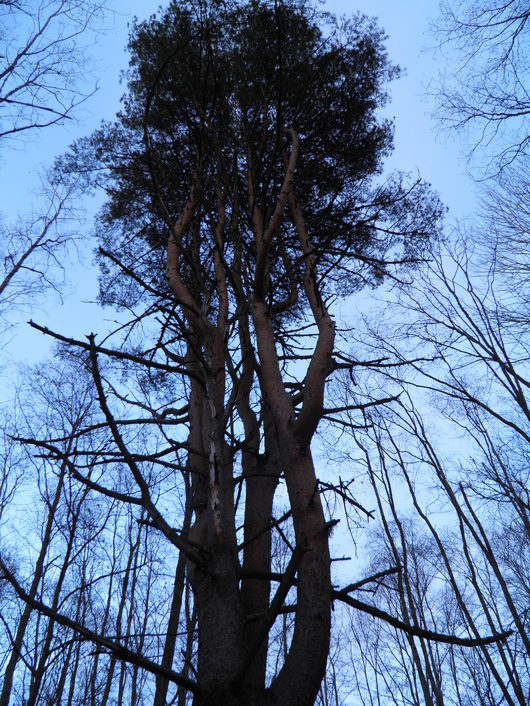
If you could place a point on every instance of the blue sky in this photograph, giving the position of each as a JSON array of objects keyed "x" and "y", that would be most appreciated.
[{"x": 418, "y": 149}]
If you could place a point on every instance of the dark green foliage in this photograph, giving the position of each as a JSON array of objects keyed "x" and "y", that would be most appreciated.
[{"x": 212, "y": 86}]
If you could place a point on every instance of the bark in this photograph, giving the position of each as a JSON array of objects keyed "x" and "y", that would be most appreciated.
[
  {"x": 299, "y": 679},
  {"x": 261, "y": 479}
]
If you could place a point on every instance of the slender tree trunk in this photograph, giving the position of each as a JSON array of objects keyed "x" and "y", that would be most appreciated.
[
  {"x": 261, "y": 478},
  {"x": 191, "y": 627},
  {"x": 75, "y": 646},
  {"x": 133, "y": 549},
  {"x": 168, "y": 654},
  {"x": 37, "y": 576},
  {"x": 38, "y": 675}
]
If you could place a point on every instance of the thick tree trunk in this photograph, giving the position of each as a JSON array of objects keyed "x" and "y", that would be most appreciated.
[
  {"x": 299, "y": 679},
  {"x": 216, "y": 586},
  {"x": 261, "y": 479}
]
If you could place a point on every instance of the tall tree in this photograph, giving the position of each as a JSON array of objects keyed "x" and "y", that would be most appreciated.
[{"x": 246, "y": 166}]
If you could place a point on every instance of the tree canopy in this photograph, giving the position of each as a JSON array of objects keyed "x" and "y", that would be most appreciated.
[{"x": 213, "y": 91}]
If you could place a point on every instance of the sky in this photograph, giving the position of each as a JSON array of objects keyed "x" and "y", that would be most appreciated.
[{"x": 418, "y": 147}]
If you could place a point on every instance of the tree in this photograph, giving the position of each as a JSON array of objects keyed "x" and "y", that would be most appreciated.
[
  {"x": 34, "y": 249},
  {"x": 261, "y": 201},
  {"x": 467, "y": 442},
  {"x": 43, "y": 74},
  {"x": 485, "y": 91},
  {"x": 41, "y": 66},
  {"x": 455, "y": 350},
  {"x": 59, "y": 405}
]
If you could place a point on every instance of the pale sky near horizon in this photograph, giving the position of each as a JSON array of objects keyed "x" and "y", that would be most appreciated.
[{"x": 418, "y": 149}]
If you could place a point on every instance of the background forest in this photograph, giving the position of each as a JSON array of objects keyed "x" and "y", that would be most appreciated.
[{"x": 293, "y": 467}]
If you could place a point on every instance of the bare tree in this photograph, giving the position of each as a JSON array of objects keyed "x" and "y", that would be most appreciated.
[
  {"x": 49, "y": 406},
  {"x": 501, "y": 233},
  {"x": 455, "y": 345},
  {"x": 485, "y": 89},
  {"x": 41, "y": 64},
  {"x": 35, "y": 250},
  {"x": 43, "y": 79}
]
